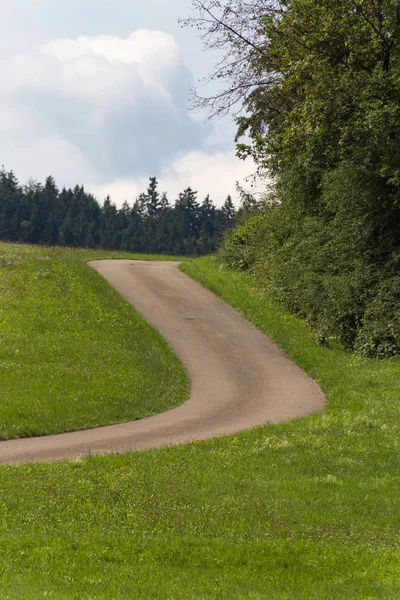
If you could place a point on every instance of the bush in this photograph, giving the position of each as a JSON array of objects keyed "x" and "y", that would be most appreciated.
[
  {"x": 335, "y": 267},
  {"x": 380, "y": 332},
  {"x": 242, "y": 245}
]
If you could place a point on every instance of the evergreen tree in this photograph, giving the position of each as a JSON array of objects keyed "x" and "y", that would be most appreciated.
[
  {"x": 11, "y": 206},
  {"x": 132, "y": 237},
  {"x": 164, "y": 203},
  {"x": 109, "y": 234},
  {"x": 229, "y": 212},
  {"x": 50, "y": 194},
  {"x": 188, "y": 210},
  {"x": 42, "y": 214},
  {"x": 66, "y": 229},
  {"x": 154, "y": 202},
  {"x": 208, "y": 219}
]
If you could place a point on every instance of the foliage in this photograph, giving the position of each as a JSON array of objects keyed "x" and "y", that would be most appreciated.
[
  {"x": 242, "y": 245},
  {"x": 380, "y": 332},
  {"x": 320, "y": 104},
  {"x": 330, "y": 267},
  {"x": 42, "y": 214}
]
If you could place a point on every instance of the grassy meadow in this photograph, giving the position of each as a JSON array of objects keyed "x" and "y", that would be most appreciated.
[
  {"x": 73, "y": 353},
  {"x": 304, "y": 510}
]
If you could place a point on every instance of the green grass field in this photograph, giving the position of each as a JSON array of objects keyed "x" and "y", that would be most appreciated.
[
  {"x": 73, "y": 353},
  {"x": 304, "y": 510}
]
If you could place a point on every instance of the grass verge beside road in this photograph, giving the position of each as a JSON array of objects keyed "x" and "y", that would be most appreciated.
[
  {"x": 303, "y": 510},
  {"x": 73, "y": 353}
]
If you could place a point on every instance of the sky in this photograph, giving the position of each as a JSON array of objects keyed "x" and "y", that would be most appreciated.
[{"x": 95, "y": 92}]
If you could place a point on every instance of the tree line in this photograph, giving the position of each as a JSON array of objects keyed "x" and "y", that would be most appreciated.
[
  {"x": 44, "y": 214},
  {"x": 315, "y": 85}
]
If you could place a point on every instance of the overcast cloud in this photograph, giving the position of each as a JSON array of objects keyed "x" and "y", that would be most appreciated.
[{"x": 96, "y": 104}]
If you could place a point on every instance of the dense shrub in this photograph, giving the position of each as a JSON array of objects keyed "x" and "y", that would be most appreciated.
[
  {"x": 337, "y": 267},
  {"x": 242, "y": 245},
  {"x": 319, "y": 112},
  {"x": 380, "y": 331}
]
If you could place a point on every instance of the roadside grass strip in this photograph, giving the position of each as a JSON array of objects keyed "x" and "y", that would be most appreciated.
[
  {"x": 303, "y": 510},
  {"x": 73, "y": 353}
]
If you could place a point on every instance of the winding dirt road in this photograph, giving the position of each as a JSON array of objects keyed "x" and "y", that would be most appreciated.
[{"x": 239, "y": 378}]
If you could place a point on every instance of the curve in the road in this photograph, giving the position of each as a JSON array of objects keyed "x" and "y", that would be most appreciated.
[{"x": 239, "y": 377}]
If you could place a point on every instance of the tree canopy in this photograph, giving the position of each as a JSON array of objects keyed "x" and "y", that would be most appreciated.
[{"x": 315, "y": 88}]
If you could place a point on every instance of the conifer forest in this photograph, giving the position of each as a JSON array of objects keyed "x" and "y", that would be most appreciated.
[{"x": 44, "y": 214}]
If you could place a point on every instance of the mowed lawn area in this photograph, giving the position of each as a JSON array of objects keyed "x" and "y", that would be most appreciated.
[
  {"x": 304, "y": 510},
  {"x": 73, "y": 353}
]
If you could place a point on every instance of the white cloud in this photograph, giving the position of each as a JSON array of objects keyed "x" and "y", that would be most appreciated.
[
  {"x": 88, "y": 66},
  {"x": 120, "y": 102},
  {"x": 109, "y": 112},
  {"x": 154, "y": 53},
  {"x": 63, "y": 160},
  {"x": 215, "y": 174}
]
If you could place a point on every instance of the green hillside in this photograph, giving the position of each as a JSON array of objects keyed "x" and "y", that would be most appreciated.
[
  {"x": 73, "y": 353},
  {"x": 306, "y": 509}
]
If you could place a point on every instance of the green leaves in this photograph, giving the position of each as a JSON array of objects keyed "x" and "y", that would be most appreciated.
[{"x": 322, "y": 115}]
